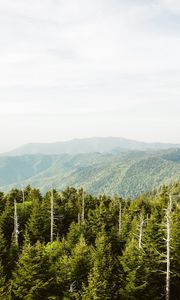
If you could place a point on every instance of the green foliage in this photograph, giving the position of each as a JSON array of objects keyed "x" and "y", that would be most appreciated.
[
  {"x": 2, "y": 283},
  {"x": 102, "y": 279},
  {"x": 32, "y": 279},
  {"x": 133, "y": 281},
  {"x": 175, "y": 251},
  {"x": 128, "y": 174},
  {"x": 91, "y": 259}
]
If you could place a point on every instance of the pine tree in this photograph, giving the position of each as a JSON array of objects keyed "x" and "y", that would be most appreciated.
[
  {"x": 2, "y": 283},
  {"x": 175, "y": 251},
  {"x": 132, "y": 279},
  {"x": 72, "y": 269},
  {"x": 102, "y": 279},
  {"x": 36, "y": 225},
  {"x": 7, "y": 223},
  {"x": 153, "y": 255},
  {"x": 2, "y": 202},
  {"x": 32, "y": 278},
  {"x": 3, "y": 248}
]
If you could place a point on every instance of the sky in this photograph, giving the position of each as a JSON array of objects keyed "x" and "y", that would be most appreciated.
[{"x": 83, "y": 68}]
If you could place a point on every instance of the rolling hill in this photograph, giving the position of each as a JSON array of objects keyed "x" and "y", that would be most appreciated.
[{"x": 128, "y": 173}]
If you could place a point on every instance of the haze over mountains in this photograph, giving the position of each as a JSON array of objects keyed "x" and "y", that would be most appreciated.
[
  {"x": 100, "y": 165},
  {"x": 87, "y": 145}
]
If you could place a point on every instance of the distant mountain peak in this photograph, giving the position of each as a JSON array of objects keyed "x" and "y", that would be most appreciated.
[{"x": 86, "y": 145}]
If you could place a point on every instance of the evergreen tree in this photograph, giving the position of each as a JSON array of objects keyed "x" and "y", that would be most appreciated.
[
  {"x": 102, "y": 279},
  {"x": 36, "y": 227},
  {"x": 72, "y": 270},
  {"x": 2, "y": 283},
  {"x": 3, "y": 249},
  {"x": 7, "y": 223},
  {"x": 2, "y": 202},
  {"x": 175, "y": 253},
  {"x": 132, "y": 280},
  {"x": 32, "y": 278}
]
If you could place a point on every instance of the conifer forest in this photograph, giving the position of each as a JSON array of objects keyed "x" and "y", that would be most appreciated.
[{"x": 72, "y": 245}]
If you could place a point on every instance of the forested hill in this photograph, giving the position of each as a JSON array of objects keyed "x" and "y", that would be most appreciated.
[
  {"x": 71, "y": 245},
  {"x": 127, "y": 174}
]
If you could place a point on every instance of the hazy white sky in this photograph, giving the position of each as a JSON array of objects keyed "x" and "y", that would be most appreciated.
[{"x": 81, "y": 68}]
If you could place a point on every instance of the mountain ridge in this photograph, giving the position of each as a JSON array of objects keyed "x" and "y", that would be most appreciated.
[
  {"x": 128, "y": 173},
  {"x": 86, "y": 145}
]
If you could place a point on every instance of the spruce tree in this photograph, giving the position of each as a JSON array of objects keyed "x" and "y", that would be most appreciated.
[
  {"x": 36, "y": 225},
  {"x": 2, "y": 283},
  {"x": 102, "y": 279},
  {"x": 32, "y": 278}
]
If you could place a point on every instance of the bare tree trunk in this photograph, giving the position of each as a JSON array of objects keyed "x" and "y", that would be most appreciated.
[
  {"x": 16, "y": 225},
  {"x": 120, "y": 217},
  {"x": 83, "y": 205},
  {"x": 79, "y": 219},
  {"x": 147, "y": 218},
  {"x": 168, "y": 248},
  {"x": 23, "y": 196},
  {"x": 23, "y": 199},
  {"x": 52, "y": 215},
  {"x": 141, "y": 231}
]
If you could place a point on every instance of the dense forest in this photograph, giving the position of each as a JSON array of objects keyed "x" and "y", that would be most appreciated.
[
  {"x": 128, "y": 174},
  {"x": 72, "y": 245}
]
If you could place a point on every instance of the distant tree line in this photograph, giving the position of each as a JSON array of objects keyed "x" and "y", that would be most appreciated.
[{"x": 72, "y": 245}]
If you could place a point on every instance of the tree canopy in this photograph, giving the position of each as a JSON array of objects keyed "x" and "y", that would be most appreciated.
[{"x": 103, "y": 247}]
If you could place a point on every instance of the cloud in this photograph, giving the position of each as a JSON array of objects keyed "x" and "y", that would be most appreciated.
[
  {"x": 171, "y": 5},
  {"x": 76, "y": 57}
]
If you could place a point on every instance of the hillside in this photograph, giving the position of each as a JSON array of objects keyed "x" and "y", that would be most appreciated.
[
  {"x": 128, "y": 174},
  {"x": 96, "y": 144}
]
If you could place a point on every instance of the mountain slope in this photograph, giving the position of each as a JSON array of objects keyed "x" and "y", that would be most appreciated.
[
  {"x": 96, "y": 144},
  {"x": 128, "y": 174}
]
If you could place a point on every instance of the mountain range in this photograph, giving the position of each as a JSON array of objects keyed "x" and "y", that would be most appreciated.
[
  {"x": 113, "y": 170},
  {"x": 96, "y": 144}
]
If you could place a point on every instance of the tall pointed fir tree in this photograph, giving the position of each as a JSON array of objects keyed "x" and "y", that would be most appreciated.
[
  {"x": 32, "y": 278},
  {"x": 103, "y": 283}
]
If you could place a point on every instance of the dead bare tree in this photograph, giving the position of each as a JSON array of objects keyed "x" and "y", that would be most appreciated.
[
  {"x": 23, "y": 195},
  {"x": 168, "y": 240},
  {"x": 23, "y": 198},
  {"x": 83, "y": 206},
  {"x": 120, "y": 217},
  {"x": 16, "y": 225},
  {"x": 52, "y": 215},
  {"x": 79, "y": 219},
  {"x": 141, "y": 230}
]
